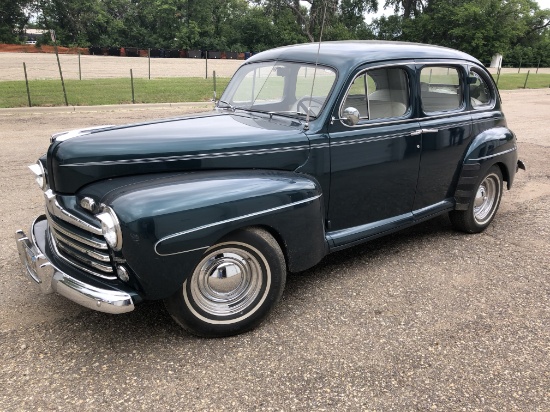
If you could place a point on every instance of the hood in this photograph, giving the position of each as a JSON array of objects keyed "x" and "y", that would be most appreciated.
[{"x": 211, "y": 141}]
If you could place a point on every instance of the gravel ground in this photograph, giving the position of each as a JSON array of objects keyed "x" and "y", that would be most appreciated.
[
  {"x": 426, "y": 319},
  {"x": 44, "y": 66}
]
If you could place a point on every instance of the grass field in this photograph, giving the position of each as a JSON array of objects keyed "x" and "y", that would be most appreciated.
[
  {"x": 162, "y": 90},
  {"x": 109, "y": 91},
  {"x": 512, "y": 81}
]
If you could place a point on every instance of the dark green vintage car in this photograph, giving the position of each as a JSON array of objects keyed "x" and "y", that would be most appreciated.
[{"x": 307, "y": 152}]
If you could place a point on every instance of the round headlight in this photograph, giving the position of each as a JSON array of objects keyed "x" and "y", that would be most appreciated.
[{"x": 110, "y": 227}]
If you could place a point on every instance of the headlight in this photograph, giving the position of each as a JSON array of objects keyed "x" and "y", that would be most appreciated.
[
  {"x": 110, "y": 227},
  {"x": 40, "y": 174}
]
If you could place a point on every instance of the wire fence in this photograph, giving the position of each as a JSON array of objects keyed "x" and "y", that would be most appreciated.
[
  {"x": 26, "y": 79},
  {"x": 43, "y": 66}
]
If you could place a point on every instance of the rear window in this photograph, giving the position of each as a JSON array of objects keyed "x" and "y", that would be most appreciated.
[
  {"x": 480, "y": 92},
  {"x": 440, "y": 89}
]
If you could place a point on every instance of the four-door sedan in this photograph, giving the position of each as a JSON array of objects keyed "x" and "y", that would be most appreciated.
[{"x": 306, "y": 153}]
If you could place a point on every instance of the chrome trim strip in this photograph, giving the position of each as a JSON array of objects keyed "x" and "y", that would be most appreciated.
[
  {"x": 369, "y": 139},
  {"x": 185, "y": 251},
  {"x": 85, "y": 269},
  {"x": 96, "y": 255},
  {"x": 89, "y": 242},
  {"x": 494, "y": 155},
  {"x": 263, "y": 212},
  {"x": 194, "y": 157},
  {"x": 57, "y": 210}
]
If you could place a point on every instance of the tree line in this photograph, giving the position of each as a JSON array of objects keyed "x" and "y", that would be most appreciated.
[{"x": 518, "y": 29}]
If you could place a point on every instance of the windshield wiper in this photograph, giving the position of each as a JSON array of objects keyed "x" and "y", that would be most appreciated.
[
  {"x": 229, "y": 105},
  {"x": 289, "y": 113}
]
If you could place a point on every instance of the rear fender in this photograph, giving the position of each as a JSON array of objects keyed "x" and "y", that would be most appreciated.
[{"x": 493, "y": 146}]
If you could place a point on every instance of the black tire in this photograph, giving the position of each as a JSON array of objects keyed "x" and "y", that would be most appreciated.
[
  {"x": 483, "y": 204},
  {"x": 251, "y": 278}
]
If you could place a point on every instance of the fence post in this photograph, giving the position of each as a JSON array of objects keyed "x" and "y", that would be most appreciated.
[
  {"x": 27, "y": 83},
  {"x": 149, "y": 57},
  {"x": 206, "y": 74},
  {"x": 132, "y": 82},
  {"x": 60, "y": 72},
  {"x": 498, "y": 75},
  {"x": 519, "y": 64},
  {"x": 526, "y": 77},
  {"x": 79, "y": 67},
  {"x": 214, "y": 76},
  {"x": 538, "y": 64}
]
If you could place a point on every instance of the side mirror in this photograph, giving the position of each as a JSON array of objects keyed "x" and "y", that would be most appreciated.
[{"x": 351, "y": 116}]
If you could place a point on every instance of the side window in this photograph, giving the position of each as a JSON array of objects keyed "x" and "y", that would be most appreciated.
[
  {"x": 379, "y": 94},
  {"x": 480, "y": 93},
  {"x": 440, "y": 89}
]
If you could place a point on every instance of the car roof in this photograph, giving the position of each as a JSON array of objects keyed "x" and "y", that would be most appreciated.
[{"x": 351, "y": 53}]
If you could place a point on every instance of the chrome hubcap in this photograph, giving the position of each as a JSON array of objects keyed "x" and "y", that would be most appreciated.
[
  {"x": 486, "y": 199},
  {"x": 226, "y": 281}
]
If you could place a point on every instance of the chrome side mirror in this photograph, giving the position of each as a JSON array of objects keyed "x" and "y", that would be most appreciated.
[{"x": 351, "y": 116}]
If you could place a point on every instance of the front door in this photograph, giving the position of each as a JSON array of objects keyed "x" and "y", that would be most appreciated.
[{"x": 374, "y": 163}]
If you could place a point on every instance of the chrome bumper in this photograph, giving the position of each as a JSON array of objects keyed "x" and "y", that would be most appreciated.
[{"x": 51, "y": 279}]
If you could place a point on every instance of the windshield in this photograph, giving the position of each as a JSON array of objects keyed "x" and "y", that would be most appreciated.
[{"x": 279, "y": 87}]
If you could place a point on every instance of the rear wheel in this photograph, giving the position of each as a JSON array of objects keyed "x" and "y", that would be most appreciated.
[
  {"x": 234, "y": 286},
  {"x": 483, "y": 204}
]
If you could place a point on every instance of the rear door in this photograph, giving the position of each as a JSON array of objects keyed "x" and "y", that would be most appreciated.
[{"x": 446, "y": 133}]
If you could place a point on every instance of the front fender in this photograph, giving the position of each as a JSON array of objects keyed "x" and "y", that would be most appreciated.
[{"x": 168, "y": 221}]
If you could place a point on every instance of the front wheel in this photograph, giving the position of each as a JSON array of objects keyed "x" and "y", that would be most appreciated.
[
  {"x": 483, "y": 204},
  {"x": 234, "y": 286}
]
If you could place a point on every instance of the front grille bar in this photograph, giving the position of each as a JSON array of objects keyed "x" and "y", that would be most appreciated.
[
  {"x": 92, "y": 253},
  {"x": 89, "y": 242},
  {"x": 73, "y": 263},
  {"x": 83, "y": 259},
  {"x": 76, "y": 241}
]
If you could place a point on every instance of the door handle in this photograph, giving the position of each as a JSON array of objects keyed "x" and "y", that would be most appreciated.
[{"x": 420, "y": 131}]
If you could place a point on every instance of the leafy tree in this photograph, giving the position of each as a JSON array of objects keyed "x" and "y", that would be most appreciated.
[{"x": 12, "y": 19}]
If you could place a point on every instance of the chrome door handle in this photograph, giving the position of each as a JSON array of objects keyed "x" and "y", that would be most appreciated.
[{"x": 420, "y": 131}]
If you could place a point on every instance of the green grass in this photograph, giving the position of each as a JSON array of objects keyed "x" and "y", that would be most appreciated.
[
  {"x": 512, "y": 81},
  {"x": 109, "y": 91},
  {"x": 166, "y": 90}
]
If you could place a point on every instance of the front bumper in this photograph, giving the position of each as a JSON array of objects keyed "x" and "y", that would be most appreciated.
[{"x": 32, "y": 252}]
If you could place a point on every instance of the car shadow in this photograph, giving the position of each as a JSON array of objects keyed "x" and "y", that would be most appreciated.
[{"x": 150, "y": 322}]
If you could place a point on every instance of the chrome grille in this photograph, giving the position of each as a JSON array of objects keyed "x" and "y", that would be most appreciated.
[{"x": 87, "y": 251}]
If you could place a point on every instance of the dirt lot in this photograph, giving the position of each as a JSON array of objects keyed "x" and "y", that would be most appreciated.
[
  {"x": 44, "y": 66},
  {"x": 427, "y": 319}
]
